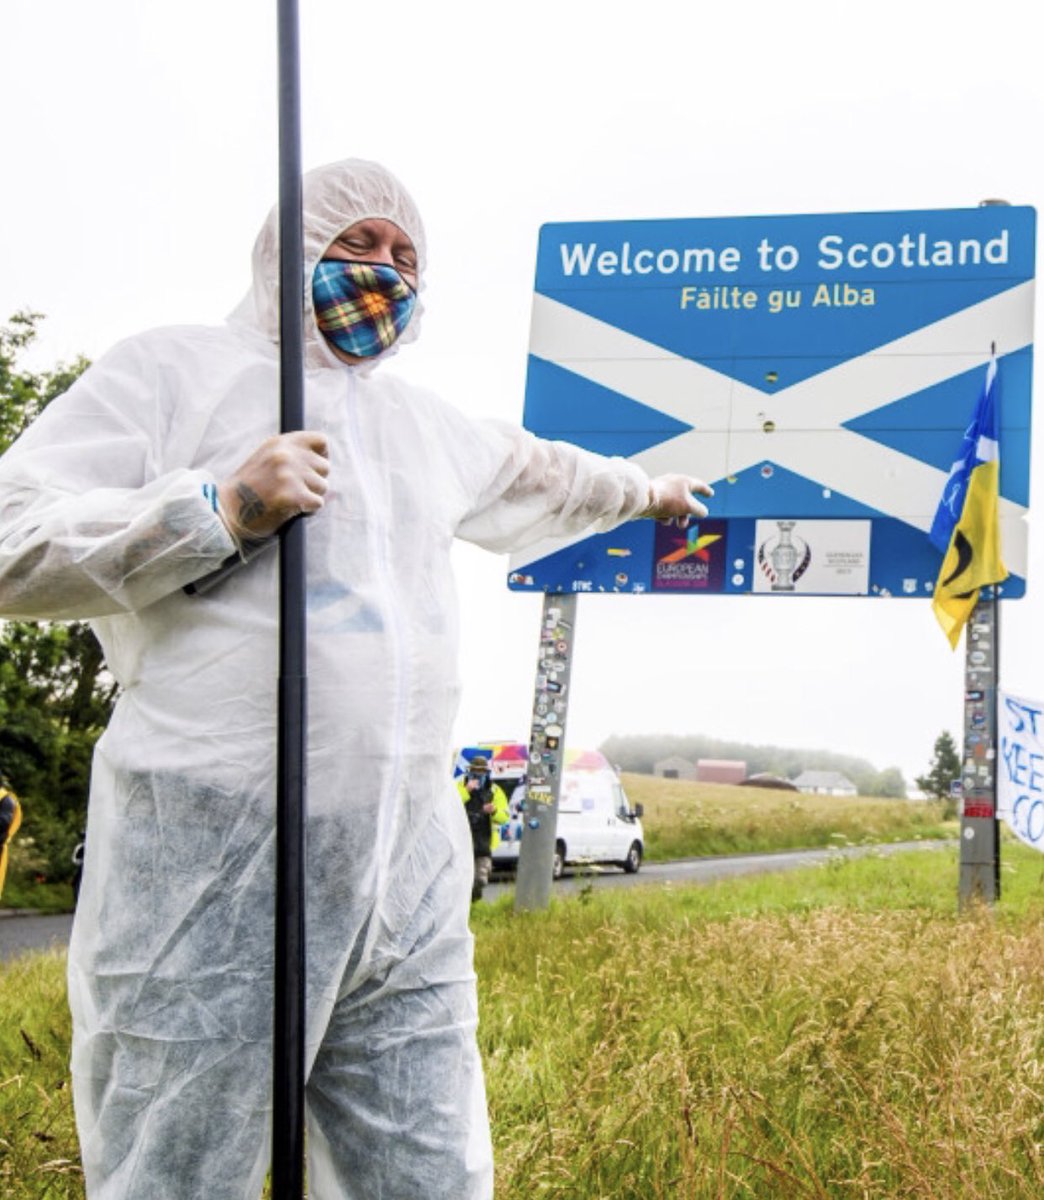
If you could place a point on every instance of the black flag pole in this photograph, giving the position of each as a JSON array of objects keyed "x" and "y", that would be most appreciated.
[{"x": 288, "y": 1042}]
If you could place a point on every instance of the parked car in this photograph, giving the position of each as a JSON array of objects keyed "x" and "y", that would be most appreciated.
[{"x": 596, "y": 822}]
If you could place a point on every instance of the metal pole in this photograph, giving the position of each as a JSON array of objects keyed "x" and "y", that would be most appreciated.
[
  {"x": 546, "y": 752},
  {"x": 980, "y": 834},
  {"x": 288, "y": 1042},
  {"x": 979, "y": 880}
]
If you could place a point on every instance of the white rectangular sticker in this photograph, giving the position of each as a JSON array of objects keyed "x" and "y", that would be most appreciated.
[{"x": 812, "y": 558}]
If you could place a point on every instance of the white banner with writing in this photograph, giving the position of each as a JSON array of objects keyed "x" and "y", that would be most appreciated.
[{"x": 1020, "y": 767}]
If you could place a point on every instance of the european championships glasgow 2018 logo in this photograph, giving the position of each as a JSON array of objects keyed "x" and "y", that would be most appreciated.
[
  {"x": 691, "y": 559},
  {"x": 784, "y": 558}
]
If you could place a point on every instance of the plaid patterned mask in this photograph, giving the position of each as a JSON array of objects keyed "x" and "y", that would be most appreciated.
[{"x": 361, "y": 307}]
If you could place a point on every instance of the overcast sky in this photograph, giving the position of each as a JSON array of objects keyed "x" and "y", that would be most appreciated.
[{"x": 140, "y": 158}]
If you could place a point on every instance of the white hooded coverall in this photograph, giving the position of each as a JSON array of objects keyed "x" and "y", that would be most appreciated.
[{"x": 103, "y": 516}]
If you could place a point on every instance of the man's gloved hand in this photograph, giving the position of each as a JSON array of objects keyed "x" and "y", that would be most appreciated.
[
  {"x": 284, "y": 477},
  {"x": 671, "y": 499}
]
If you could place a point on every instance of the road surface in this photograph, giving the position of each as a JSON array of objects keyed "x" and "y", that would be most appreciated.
[
  {"x": 20, "y": 932},
  {"x": 31, "y": 931}
]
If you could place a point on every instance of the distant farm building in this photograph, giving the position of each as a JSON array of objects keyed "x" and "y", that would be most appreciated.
[
  {"x": 720, "y": 770},
  {"x": 825, "y": 783},
  {"x": 674, "y": 767}
]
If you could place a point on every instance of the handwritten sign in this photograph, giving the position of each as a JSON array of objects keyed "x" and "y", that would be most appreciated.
[{"x": 1020, "y": 774}]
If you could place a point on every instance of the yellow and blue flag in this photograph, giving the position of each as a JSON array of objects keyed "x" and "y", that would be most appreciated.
[{"x": 966, "y": 526}]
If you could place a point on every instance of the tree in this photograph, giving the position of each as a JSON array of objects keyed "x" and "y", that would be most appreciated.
[
  {"x": 889, "y": 783},
  {"x": 944, "y": 768},
  {"x": 25, "y": 394},
  {"x": 55, "y": 695}
]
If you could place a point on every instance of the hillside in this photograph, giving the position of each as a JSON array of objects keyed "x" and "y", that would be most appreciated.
[{"x": 639, "y": 752}]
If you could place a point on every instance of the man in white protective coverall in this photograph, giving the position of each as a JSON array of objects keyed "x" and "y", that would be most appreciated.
[{"x": 145, "y": 499}]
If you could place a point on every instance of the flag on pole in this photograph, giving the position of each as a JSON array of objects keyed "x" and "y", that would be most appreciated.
[{"x": 966, "y": 526}]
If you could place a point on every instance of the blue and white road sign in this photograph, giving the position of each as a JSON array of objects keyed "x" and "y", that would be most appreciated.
[{"x": 819, "y": 371}]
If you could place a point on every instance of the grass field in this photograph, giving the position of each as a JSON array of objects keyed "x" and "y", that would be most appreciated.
[
  {"x": 833, "y": 1032},
  {"x": 684, "y": 819}
]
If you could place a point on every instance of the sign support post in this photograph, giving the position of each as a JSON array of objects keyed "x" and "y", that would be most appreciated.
[
  {"x": 980, "y": 831},
  {"x": 979, "y": 880},
  {"x": 536, "y": 854}
]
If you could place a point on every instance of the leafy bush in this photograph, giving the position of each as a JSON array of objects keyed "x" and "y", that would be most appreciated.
[{"x": 55, "y": 696}]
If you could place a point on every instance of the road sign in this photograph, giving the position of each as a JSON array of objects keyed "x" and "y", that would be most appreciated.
[{"x": 818, "y": 370}]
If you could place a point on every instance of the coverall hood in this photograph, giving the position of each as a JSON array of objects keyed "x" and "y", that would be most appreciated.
[{"x": 334, "y": 196}]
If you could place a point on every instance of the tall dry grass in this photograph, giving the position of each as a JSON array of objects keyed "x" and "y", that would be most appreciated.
[
  {"x": 39, "y": 1155},
  {"x": 849, "y": 1037},
  {"x": 835, "y": 1032},
  {"x": 824, "y": 1054}
]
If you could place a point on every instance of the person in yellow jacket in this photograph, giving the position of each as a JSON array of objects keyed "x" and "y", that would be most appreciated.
[
  {"x": 10, "y": 819},
  {"x": 487, "y": 809}
]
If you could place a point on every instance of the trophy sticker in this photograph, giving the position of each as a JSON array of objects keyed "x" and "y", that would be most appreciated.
[
  {"x": 812, "y": 558},
  {"x": 784, "y": 558}
]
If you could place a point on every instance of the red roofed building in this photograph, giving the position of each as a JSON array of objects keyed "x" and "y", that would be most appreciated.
[{"x": 720, "y": 770}]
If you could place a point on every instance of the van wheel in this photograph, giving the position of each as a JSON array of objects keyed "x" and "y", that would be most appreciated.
[
  {"x": 558, "y": 862},
  {"x": 633, "y": 860}
]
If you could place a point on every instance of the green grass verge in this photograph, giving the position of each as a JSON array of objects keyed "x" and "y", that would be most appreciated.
[
  {"x": 836, "y": 1031},
  {"x": 39, "y": 1155}
]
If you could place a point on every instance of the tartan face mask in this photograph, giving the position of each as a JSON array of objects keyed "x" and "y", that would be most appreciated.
[{"x": 361, "y": 307}]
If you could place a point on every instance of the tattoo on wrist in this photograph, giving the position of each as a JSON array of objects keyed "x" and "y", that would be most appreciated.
[{"x": 251, "y": 506}]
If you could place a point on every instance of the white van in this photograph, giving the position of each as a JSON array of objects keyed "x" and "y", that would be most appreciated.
[{"x": 596, "y": 823}]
